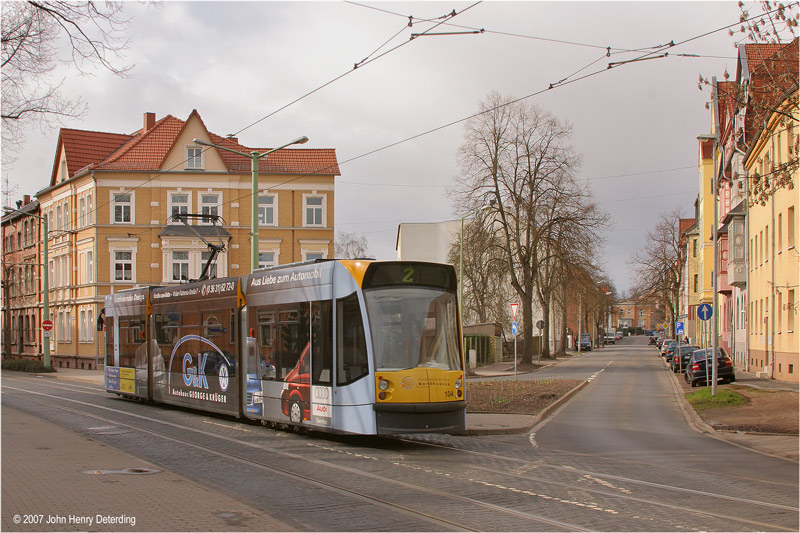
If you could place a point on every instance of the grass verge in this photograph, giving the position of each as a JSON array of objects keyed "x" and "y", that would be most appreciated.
[{"x": 702, "y": 399}]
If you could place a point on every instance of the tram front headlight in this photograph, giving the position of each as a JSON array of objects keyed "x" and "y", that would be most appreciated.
[
  {"x": 383, "y": 384},
  {"x": 458, "y": 383}
]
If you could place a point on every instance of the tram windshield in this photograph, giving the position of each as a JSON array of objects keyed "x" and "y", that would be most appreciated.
[{"x": 413, "y": 327}]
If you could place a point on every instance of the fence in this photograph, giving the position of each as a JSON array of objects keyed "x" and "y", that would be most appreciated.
[{"x": 488, "y": 349}]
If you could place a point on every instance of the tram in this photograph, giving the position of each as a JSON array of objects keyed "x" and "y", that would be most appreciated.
[{"x": 344, "y": 346}]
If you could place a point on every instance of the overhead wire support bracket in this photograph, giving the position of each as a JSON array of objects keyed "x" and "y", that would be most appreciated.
[
  {"x": 415, "y": 35},
  {"x": 618, "y": 63},
  {"x": 215, "y": 249}
]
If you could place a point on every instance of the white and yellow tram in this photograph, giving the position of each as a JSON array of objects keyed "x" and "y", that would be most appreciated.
[{"x": 361, "y": 347}]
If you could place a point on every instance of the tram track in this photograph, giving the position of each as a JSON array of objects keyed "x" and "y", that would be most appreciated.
[
  {"x": 362, "y": 495},
  {"x": 510, "y": 472}
]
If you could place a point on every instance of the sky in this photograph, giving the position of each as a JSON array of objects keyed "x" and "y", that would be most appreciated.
[{"x": 396, "y": 121}]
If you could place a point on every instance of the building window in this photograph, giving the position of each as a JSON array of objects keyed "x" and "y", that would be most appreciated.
[
  {"x": 180, "y": 266},
  {"x": 314, "y": 210},
  {"x": 122, "y": 208},
  {"x": 694, "y": 247},
  {"x": 194, "y": 157},
  {"x": 178, "y": 204},
  {"x": 89, "y": 209},
  {"x": 790, "y": 311},
  {"x": 790, "y": 227},
  {"x": 266, "y": 259},
  {"x": 266, "y": 210},
  {"x": 209, "y": 205},
  {"x": 123, "y": 266},
  {"x": 58, "y": 218},
  {"x": 81, "y": 212},
  {"x": 64, "y": 333},
  {"x": 212, "y": 269},
  {"x": 311, "y": 256}
]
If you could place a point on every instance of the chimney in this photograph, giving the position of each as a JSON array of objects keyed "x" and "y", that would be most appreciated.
[
  {"x": 26, "y": 199},
  {"x": 149, "y": 121}
]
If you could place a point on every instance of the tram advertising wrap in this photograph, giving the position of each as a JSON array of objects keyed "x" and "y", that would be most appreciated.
[
  {"x": 195, "y": 351},
  {"x": 347, "y": 346}
]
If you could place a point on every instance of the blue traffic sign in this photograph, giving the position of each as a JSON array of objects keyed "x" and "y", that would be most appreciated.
[
  {"x": 678, "y": 328},
  {"x": 704, "y": 312},
  {"x": 514, "y": 328}
]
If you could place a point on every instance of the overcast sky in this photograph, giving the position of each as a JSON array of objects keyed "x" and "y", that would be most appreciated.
[{"x": 634, "y": 125}]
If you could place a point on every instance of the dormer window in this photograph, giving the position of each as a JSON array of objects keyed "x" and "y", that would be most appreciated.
[{"x": 194, "y": 157}]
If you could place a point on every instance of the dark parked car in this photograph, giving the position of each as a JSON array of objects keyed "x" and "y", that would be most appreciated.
[
  {"x": 696, "y": 368},
  {"x": 586, "y": 343},
  {"x": 653, "y": 340},
  {"x": 681, "y": 361},
  {"x": 666, "y": 346}
]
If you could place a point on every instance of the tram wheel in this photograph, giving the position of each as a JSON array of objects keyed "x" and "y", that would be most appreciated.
[{"x": 295, "y": 412}]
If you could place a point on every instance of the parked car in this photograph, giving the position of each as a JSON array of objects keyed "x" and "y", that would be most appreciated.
[
  {"x": 666, "y": 345},
  {"x": 586, "y": 343},
  {"x": 659, "y": 342},
  {"x": 653, "y": 340},
  {"x": 696, "y": 368},
  {"x": 672, "y": 347},
  {"x": 618, "y": 336},
  {"x": 680, "y": 358}
]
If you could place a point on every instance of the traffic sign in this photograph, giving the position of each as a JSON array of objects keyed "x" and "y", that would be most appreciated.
[
  {"x": 540, "y": 324},
  {"x": 678, "y": 328},
  {"x": 514, "y": 311},
  {"x": 704, "y": 311},
  {"x": 514, "y": 328},
  {"x": 47, "y": 328}
]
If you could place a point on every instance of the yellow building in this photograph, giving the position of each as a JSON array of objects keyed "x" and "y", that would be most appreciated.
[
  {"x": 109, "y": 206},
  {"x": 773, "y": 230},
  {"x": 705, "y": 219}
]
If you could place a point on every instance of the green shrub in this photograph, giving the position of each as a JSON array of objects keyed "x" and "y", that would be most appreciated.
[{"x": 25, "y": 365}]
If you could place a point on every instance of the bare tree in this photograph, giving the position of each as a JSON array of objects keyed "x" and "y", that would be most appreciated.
[
  {"x": 486, "y": 284},
  {"x": 520, "y": 156},
  {"x": 30, "y": 35},
  {"x": 658, "y": 268},
  {"x": 350, "y": 246}
]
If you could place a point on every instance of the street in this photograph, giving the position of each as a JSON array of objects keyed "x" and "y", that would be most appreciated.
[{"x": 619, "y": 456}]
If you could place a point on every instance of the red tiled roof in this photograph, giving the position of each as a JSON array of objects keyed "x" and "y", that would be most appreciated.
[
  {"x": 83, "y": 148},
  {"x": 684, "y": 224},
  {"x": 147, "y": 151}
]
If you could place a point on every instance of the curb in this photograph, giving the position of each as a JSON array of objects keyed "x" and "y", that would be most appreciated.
[
  {"x": 536, "y": 420},
  {"x": 696, "y": 422}
]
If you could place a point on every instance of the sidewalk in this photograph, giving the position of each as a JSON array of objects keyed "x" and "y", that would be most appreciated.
[{"x": 70, "y": 492}]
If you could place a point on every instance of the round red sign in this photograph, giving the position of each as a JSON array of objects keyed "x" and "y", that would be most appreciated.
[{"x": 47, "y": 325}]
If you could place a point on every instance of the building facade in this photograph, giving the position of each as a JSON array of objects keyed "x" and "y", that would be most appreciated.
[
  {"x": 112, "y": 203},
  {"x": 21, "y": 281}
]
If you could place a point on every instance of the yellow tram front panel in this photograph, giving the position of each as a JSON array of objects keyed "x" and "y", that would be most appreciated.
[{"x": 419, "y": 385}]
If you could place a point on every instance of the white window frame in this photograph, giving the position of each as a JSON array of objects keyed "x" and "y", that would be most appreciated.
[
  {"x": 262, "y": 221},
  {"x": 323, "y": 218},
  {"x": 131, "y": 206},
  {"x": 201, "y": 205},
  {"x": 171, "y": 203},
  {"x": 212, "y": 272},
  {"x": 195, "y": 157},
  {"x": 81, "y": 212},
  {"x": 89, "y": 208},
  {"x": 309, "y": 247},
  {"x": 121, "y": 261},
  {"x": 173, "y": 262}
]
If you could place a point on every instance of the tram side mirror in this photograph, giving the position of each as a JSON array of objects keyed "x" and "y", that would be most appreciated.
[{"x": 100, "y": 320}]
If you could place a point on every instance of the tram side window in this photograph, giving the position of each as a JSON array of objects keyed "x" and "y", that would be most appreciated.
[
  {"x": 131, "y": 342},
  {"x": 352, "y": 347},
  {"x": 321, "y": 343},
  {"x": 266, "y": 343},
  {"x": 291, "y": 351},
  {"x": 167, "y": 328}
]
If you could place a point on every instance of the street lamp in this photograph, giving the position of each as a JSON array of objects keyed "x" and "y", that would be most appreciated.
[
  {"x": 715, "y": 267},
  {"x": 461, "y": 254},
  {"x": 254, "y": 156},
  {"x": 45, "y": 280}
]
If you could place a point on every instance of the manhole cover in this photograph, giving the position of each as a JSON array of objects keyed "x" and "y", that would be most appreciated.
[{"x": 124, "y": 471}]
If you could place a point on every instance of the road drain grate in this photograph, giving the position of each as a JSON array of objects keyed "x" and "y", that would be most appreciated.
[{"x": 124, "y": 471}]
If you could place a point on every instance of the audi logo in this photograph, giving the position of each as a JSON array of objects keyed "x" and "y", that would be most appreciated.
[{"x": 321, "y": 393}]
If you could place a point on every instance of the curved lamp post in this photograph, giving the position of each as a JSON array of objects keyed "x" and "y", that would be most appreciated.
[{"x": 254, "y": 156}]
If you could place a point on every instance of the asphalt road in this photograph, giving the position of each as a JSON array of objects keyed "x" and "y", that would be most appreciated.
[{"x": 617, "y": 457}]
